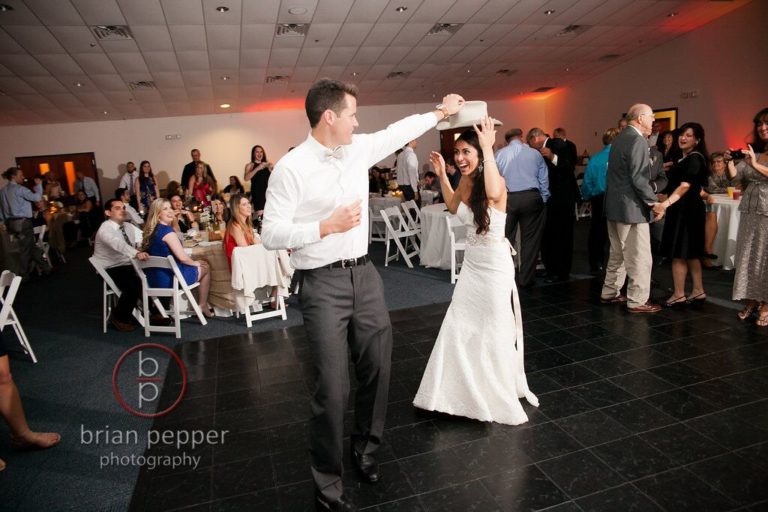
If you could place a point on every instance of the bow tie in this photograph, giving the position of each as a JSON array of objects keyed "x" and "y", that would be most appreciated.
[{"x": 337, "y": 153}]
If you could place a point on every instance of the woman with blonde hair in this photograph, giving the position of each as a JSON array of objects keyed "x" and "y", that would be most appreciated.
[{"x": 161, "y": 240}]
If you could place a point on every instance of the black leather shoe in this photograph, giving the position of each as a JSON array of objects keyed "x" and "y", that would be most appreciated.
[
  {"x": 367, "y": 466},
  {"x": 343, "y": 504}
]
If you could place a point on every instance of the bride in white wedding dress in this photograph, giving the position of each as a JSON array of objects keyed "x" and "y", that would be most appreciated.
[{"x": 476, "y": 366}]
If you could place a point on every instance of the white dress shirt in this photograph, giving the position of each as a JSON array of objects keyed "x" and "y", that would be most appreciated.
[
  {"x": 311, "y": 181},
  {"x": 88, "y": 185},
  {"x": 127, "y": 181},
  {"x": 408, "y": 168},
  {"x": 110, "y": 248},
  {"x": 133, "y": 215}
]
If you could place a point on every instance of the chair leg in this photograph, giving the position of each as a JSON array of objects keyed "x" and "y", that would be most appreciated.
[
  {"x": 281, "y": 305},
  {"x": 104, "y": 308},
  {"x": 145, "y": 301},
  {"x": 23, "y": 338},
  {"x": 404, "y": 253},
  {"x": 176, "y": 315}
]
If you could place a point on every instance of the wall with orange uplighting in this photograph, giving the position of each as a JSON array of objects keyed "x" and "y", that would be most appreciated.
[
  {"x": 225, "y": 140},
  {"x": 724, "y": 62}
]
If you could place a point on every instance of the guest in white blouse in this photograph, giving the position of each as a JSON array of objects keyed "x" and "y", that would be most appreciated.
[{"x": 317, "y": 205}]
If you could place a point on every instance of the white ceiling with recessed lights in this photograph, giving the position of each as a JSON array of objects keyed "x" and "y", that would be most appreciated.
[{"x": 187, "y": 57}]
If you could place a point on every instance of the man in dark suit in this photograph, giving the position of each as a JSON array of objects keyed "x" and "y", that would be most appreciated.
[
  {"x": 189, "y": 169},
  {"x": 557, "y": 244},
  {"x": 573, "y": 156},
  {"x": 630, "y": 203}
]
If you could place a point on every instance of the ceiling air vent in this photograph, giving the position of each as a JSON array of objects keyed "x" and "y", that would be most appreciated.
[
  {"x": 141, "y": 85},
  {"x": 399, "y": 74},
  {"x": 445, "y": 28},
  {"x": 543, "y": 89},
  {"x": 111, "y": 32},
  {"x": 276, "y": 78},
  {"x": 291, "y": 29},
  {"x": 609, "y": 57},
  {"x": 506, "y": 72},
  {"x": 573, "y": 30}
]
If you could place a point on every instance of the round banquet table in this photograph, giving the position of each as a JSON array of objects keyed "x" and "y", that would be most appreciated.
[
  {"x": 728, "y": 215},
  {"x": 435, "y": 243}
]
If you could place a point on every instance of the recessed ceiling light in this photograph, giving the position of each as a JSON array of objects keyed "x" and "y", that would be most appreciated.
[
  {"x": 5, "y": 8},
  {"x": 78, "y": 84},
  {"x": 469, "y": 71},
  {"x": 225, "y": 105},
  {"x": 105, "y": 113},
  {"x": 222, "y": 8},
  {"x": 224, "y": 77},
  {"x": 402, "y": 8},
  {"x": 297, "y": 10},
  {"x": 549, "y": 11},
  {"x": 672, "y": 14},
  {"x": 567, "y": 69},
  {"x": 354, "y": 73}
]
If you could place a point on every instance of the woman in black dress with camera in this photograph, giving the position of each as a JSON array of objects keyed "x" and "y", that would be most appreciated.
[{"x": 683, "y": 238}]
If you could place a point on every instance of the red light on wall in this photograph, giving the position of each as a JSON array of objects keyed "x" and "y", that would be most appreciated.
[{"x": 276, "y": 105}]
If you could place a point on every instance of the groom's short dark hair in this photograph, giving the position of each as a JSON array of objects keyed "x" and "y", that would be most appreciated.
[{"x": 327, "y": 94}]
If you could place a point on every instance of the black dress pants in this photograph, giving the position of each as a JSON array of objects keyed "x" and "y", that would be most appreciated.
[
  {"x": 526, "y": 209},
  {"x": 129, "y": 284},
  {"x": 597, "y": 243},
  {"x": 344, "y": 311},
  {"x": 408, "y": 192},
  {"x": 557, "y": 245}
]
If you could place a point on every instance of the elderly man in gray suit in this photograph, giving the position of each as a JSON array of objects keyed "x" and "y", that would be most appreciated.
[{"x": 630, "y": 204}]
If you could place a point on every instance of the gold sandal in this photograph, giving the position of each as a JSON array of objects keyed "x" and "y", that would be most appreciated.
[{"x": 745, "y": 313}]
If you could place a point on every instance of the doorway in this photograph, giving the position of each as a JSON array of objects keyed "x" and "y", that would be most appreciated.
[{"x": 61, "y": 168}]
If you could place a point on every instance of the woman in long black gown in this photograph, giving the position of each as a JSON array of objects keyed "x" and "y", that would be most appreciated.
[{"x": 683, "y": 238}]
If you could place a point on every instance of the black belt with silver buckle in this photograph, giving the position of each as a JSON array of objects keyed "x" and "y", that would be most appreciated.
[{"x": 351, "y": 262}]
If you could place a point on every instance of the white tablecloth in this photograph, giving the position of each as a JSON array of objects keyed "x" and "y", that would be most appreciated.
[
  {"x": 435, "y": 243},
  {"x": 728, "y": 215},
  {"x": 379, "y": 203}
]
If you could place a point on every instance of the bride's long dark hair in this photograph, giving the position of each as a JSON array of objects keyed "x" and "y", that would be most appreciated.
[{"x": 478, "y": 200}]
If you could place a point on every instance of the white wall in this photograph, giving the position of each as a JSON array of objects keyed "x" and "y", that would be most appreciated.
[
  {"x": 724, "y": 61},
  {"x": 225, "y": 140}
]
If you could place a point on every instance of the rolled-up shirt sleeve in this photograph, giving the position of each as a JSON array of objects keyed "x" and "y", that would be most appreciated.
[{"x": 278, "y": 229}]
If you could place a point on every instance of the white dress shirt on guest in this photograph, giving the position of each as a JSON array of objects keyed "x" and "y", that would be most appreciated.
[
  {"x": 110, "y": 248},
  {"x": 311, "y": 181},
  {"x": 133, "y": 215},
  {"x": 127, "y": 181},
  {"x": 408, "y": 168}
]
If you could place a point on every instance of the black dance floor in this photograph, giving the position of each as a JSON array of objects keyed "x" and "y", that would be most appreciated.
[{"x": 638, "y": 412}]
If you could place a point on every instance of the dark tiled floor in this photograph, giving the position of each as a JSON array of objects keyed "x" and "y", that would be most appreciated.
[{"x": 661, "y": 412}]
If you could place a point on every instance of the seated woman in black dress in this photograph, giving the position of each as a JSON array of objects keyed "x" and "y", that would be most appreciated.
[
  {"x": 161, "y": 240},
  {"x": 183, "y": 219},
  {"x": 12, "y": 412},
  {"x": 683, "y": 238}
]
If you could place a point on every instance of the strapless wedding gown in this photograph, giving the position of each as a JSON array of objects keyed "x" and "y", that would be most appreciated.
[{"x": 476, "y": 367}]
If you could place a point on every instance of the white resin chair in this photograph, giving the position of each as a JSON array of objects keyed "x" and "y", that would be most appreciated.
[{"x": 9, "y": 286}]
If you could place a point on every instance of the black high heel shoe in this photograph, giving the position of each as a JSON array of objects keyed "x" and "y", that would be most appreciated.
[
  {"x": 676, "y": 302},
  {"x": 697, "y": 299}
]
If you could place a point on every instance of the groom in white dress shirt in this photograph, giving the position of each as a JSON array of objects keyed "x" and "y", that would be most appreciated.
[{"x": 317, "y": 205}]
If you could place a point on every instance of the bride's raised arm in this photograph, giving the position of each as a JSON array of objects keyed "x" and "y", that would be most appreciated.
[{"x": 494, "y": 183}]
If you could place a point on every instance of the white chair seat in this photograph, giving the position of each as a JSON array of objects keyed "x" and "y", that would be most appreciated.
[{"x": 179, "y": 290}]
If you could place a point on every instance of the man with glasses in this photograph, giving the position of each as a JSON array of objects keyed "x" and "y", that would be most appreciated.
[
  {"x": 630, "y": 204},
  {"x": 113, "y": 249}
]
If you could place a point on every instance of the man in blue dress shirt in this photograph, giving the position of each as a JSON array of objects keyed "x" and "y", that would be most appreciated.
[
  {"x": 527, "y": 178},
  {"x": 16, "y": 213}
]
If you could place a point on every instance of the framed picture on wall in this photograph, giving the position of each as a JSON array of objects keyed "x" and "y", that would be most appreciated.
[{"x": 667, "y": 117}]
